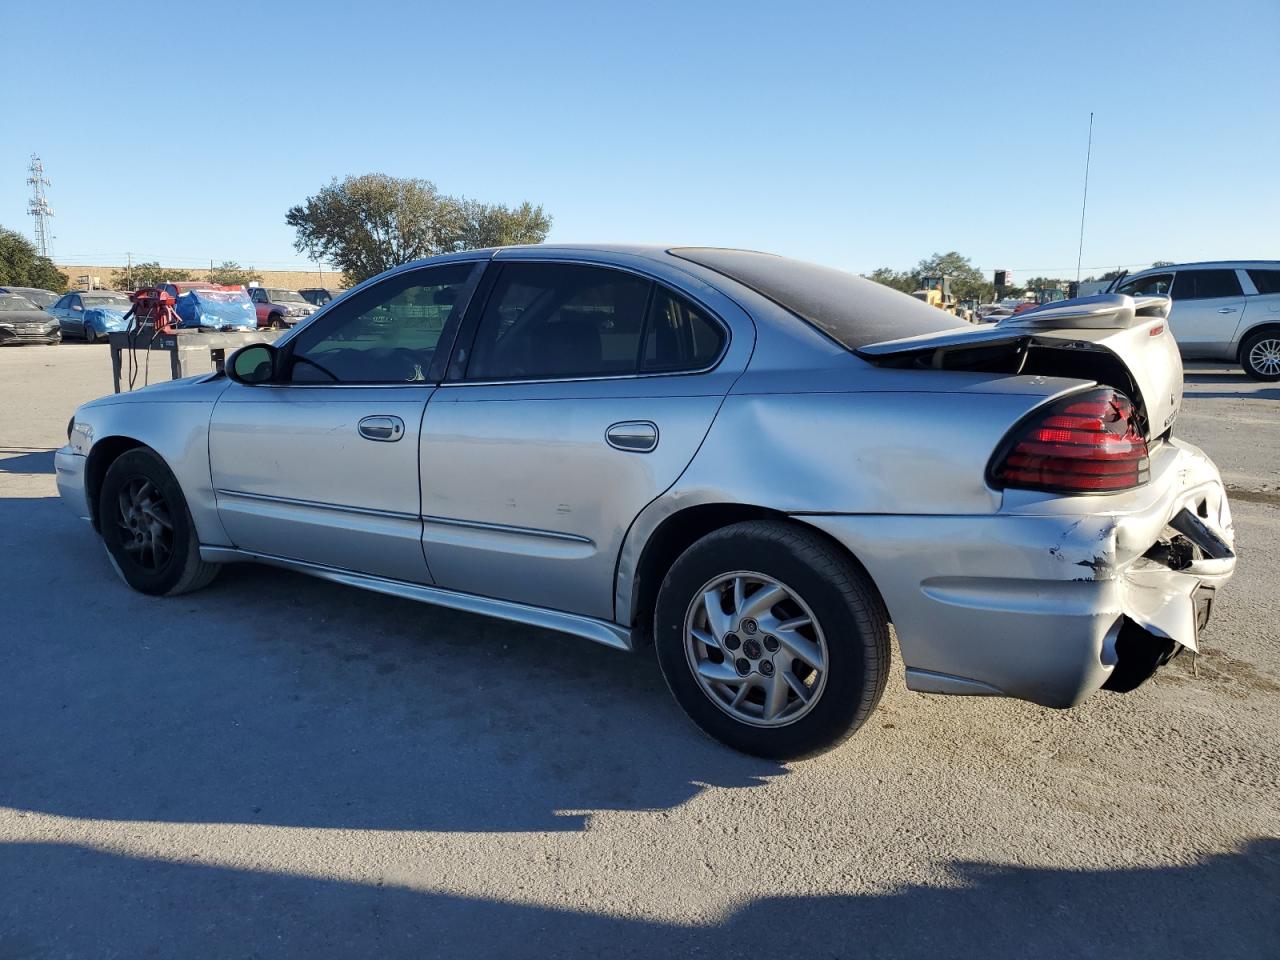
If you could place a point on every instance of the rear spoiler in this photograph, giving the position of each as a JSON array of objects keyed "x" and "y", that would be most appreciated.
[{"x": 1106, "y": 311}]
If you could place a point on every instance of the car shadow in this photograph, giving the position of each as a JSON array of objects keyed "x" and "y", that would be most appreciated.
[
  {"x": 274, "y": 698},
  {"x": 26, "y": 460},
  {"x": 76, "y": 901}
]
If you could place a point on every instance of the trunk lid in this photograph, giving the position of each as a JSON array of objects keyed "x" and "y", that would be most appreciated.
[{"x": 1111, "y": 339}]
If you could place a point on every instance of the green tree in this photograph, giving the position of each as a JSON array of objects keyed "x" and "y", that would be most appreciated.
[
  {"x": 967, "y": 281},
  {"x": 20, "y": 266},
  {"x": 146, "y": 275},
  {"x": 893, "y": 278},
  {"x": 370, "y": 223},
  {"x": 232, "y": 274}
]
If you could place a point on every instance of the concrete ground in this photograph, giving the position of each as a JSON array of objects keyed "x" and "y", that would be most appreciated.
[{"x": 277, "y": 766}]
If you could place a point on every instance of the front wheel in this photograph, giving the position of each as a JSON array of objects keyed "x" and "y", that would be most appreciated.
[
  {"x": 772, "y": 639},
  {"x": 90, "y": 335},
  {"x": 147, "y": 528},
  {"x": 1260, "y": 355}
]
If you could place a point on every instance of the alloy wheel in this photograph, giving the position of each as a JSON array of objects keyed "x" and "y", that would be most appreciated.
[
  {"x": 145, "y": 523},
  {"x": 756, "y": 649},
  {"x": 1264, "y": 356}
]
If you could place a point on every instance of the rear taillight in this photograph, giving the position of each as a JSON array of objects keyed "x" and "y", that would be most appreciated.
[{"x": 1086, "y": 443}]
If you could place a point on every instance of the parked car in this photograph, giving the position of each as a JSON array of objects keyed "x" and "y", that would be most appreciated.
[
  {"x": 1226, "y": 310},
  {"x": 21, "y": 321},
  {"x": 41, "y": 298},
  {"x": 91, "y": 315},
  {"x": 754, "y": 463},
  {"x": 279, "y": 308},
  {"x": 319, "y": 296}
]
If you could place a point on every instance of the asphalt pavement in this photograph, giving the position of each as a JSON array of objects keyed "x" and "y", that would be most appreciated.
[{"x": 281, "y": 767}]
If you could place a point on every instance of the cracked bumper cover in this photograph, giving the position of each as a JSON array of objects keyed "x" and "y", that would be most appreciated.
[{"x": 1028, "y": 602}]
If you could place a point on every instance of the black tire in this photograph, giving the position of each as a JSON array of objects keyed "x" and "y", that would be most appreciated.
[
  {"x": 277, "y": 322},
  {"x": 1248, "y": 360},
  {"x": 841, "y": 598},
  {"x": 90, "y": 335},
  {"x": 159, "y": 572}
]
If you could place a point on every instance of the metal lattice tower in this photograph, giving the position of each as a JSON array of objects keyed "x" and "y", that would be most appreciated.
[{"x": 38, "y": 207}]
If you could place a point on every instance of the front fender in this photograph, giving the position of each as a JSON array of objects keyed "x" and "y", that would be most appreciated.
[{"x": 173, "y": 420}]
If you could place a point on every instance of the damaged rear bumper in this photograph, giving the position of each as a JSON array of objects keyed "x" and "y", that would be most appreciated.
[{"x": 1054, "y": 597}]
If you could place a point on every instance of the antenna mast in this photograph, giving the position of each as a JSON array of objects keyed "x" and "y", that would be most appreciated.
[{"x": 38, "y": 207}]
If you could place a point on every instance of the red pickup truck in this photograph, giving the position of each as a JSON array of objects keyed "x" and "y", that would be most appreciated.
[{"x": 278, "y": 308}]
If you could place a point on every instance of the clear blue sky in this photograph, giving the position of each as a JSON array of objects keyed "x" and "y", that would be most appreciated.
[{"x": 852, "y": 136}]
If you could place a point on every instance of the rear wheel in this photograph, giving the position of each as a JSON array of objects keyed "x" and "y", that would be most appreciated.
[
  {"x": 1260, "y": 355},
  {"x": 772, "y": 639},
  {"x": 147, "y": 529}
]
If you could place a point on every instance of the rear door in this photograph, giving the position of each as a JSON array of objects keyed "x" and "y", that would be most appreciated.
[
  {"x": 322, "y": 466},
  {"x": 579, "y": 394},
  {"x": 1208, "y": 306}
]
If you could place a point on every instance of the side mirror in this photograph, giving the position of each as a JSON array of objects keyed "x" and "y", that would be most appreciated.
[{"x": 254, "y": 364}]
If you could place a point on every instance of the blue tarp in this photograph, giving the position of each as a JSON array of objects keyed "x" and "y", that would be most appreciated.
[
  {"x": 105, "y": 320},
  {"x": 216, "y": 308}
]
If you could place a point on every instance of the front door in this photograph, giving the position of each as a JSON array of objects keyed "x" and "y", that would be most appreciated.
[
  {"x": 585, "y": 393},
  {"x": 322, "y": 465}
]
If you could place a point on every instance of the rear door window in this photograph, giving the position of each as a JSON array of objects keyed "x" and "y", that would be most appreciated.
[
  {"x": 1267, "y": 281},
  {"x": 557, "y": 320},
  {"x": 1206, "y": 284}
]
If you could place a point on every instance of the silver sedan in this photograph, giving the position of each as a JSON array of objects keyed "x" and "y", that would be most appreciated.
[{"x": 755, "y": 464}]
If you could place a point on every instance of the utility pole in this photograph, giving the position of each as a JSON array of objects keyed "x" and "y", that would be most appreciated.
[
  {"x": 38, "y": 207},
  {"x": 129, "y": 269}
]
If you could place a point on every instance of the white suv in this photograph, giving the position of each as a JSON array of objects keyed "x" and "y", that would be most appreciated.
[{"x": 1228, "y": 310}]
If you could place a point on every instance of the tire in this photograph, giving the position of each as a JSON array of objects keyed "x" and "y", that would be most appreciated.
[
  {"x": 90, "y": 335},
  {"x": 171, "y": 564},
  {"x": 847, "y": 632},
  {"x": 1260, "y": 355},
  {"x": 276, "y": 323}
]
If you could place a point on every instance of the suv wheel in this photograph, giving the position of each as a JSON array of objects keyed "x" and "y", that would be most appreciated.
[
  {"x": 1260, "y": 355},
  {"x": 772, "y": 639},
  {"x": 147, "y": 528}
]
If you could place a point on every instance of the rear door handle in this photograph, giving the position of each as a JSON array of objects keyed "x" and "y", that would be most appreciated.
[
  {"x": 388, "y": 429},
  {"x": 1226, "y": 309},
  {"x": 633, "y": 436}
]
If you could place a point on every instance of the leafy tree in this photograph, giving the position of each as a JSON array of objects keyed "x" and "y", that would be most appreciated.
[
  {"x": 967, "y": 280},
  {"x": 232, "y": 274},
  {"x": 20, "y": 266},
  {"x": 371, "y": 223},
  {"x": 146, "y": 275},
  {"x": 892, "y": 278}
]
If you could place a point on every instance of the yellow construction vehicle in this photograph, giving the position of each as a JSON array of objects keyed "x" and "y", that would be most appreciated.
[{"x": 936, "y": 291}]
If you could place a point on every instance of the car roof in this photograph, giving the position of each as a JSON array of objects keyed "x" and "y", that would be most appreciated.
[{"x": 1211, "y": 265}]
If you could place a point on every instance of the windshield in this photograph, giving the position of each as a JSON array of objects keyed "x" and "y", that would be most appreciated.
[
  {"x": 11, "y": 301},
  {"x": 41, "y": 298},
  {"x": 853, "y": 311},
  {"x": 284, "y": 296},
  {"x": 105, "y": 300}
]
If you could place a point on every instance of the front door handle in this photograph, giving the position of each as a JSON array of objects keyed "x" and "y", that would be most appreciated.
[
  {"x": 1226, "y": 309},
  {"x": 387, "y": 429},
  {"x": 633, "y": 436}
]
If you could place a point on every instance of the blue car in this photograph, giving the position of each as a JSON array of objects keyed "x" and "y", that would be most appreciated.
[{"x": 91, "y": 314}]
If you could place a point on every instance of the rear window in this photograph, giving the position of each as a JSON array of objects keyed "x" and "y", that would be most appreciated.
[
  {"x": 1205, "y": 284},
  {"x": 1267, "y": 281},
  {"x": 851, "y": 310}
]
